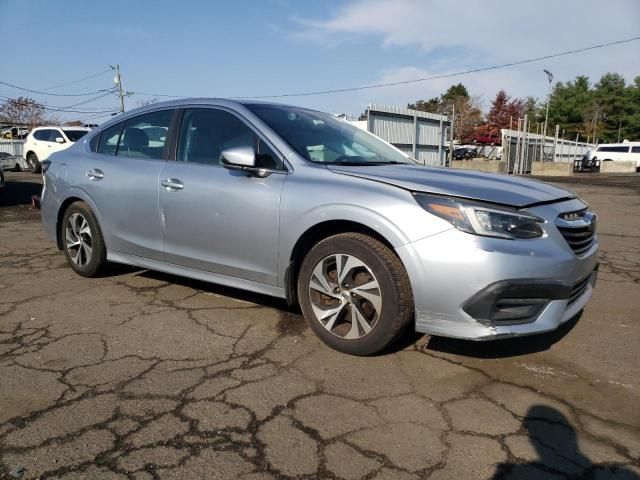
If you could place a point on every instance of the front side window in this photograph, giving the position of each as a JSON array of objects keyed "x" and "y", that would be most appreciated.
[
  {"x": 206, "y": 133},
  {"x": 53, "y": 134},
  {"x": 323, "y": 138},
  {"x": 109, "y": 139},
  {"x": 93, "y": 143},
  {"x": 145, "y": 136}
]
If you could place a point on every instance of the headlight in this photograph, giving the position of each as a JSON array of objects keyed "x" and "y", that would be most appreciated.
[{"x": 481, "y": 219}]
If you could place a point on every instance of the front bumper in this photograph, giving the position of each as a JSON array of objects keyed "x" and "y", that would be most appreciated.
[{"x": 456, "y": 278}]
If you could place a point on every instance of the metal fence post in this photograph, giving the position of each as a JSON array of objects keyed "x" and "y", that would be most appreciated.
[
  {"x": 555, "y": 142},
  {"x": 415, "y": 135},
  {"x": 442, "y": 163}
]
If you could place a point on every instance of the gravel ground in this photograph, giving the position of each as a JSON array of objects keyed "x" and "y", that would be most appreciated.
[{"x": 143, "y": 375}]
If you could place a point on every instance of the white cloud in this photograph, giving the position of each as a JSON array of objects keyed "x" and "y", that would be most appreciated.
[
  {"x": 479, "y": 33},
  {"x": 502, "y": 28}
]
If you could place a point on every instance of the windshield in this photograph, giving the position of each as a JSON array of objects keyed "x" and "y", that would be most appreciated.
[
  {"x": 322, "y": 138},
  {"x": 75, "y": 135}
]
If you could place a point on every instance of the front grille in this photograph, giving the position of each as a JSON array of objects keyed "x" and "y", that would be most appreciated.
[
  {"x": 578, "y": 229},
  {"x": 579, "y": 239},
  {"x": 578, "y": 290}
]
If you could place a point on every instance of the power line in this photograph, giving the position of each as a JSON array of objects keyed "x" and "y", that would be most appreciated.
[
  {"x": 79, "y": 80},
  {"x": 93, "y": 99},
  {"x": 157, "y": 95},
  {"x": 53, "y": 94},
  {"x": 424, "y": 79},
  {"x": 449, "y": 75},
  {"x": 64, "y": 109},
  {"x": 93, "y": 117}
]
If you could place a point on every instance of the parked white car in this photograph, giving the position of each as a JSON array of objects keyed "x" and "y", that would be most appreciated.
[
  {"x": 43, "y": 141},
  {"x": 616, "y": 152},
  {"x": 12, "y": 162}
]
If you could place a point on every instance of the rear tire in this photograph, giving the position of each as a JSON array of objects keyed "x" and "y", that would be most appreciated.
[
  {"x": 355, "y": 293},
  {"x": 82, "y": 240},
  {"x": 34, "y": 163}
]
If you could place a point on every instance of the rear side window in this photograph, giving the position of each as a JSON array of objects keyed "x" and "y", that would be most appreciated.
[
  {"x": 109, "y": 139},
  {"x": 614, "y": 149},
  {"x": 635, "y": 149},
  {"x": 145, "y": 136},
  {"x": 42, "y": 135}
]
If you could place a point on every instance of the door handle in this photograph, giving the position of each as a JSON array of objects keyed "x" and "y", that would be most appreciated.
[
  {"x": 172, "y": 184},
  {"x": 95, "y": 174}
]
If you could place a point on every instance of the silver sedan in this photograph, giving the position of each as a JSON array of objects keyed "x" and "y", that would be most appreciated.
[{"x": 297, "y": 204}]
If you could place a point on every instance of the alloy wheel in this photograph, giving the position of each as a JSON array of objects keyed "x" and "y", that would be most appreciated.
[
  {"x": 79, "y": 241},
  {"x": 346, "y": 297}
]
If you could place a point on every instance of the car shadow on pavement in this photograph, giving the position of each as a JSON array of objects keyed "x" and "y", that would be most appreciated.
[
  {"x": 506, "y": 347},
  {"x": 291, "y": 320},
  {"x": 237, "y": 294},
  {"x": 556, "y": 446},
  {"x": 18, "y": 193}
]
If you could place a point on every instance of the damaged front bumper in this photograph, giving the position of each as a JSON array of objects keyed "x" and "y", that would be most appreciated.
[{"x": 482, "y": 288}]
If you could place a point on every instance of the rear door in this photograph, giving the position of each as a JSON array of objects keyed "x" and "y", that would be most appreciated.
[
  {"x": 41, "y": 144},
  {"x": 122, "y": 177},
  {"x": 219, "y": 220}
]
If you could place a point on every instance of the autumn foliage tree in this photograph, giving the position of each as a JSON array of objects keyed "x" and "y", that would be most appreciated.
[
  {"x": 504, "y": 111},
  {"x": 22, "y": 111}
]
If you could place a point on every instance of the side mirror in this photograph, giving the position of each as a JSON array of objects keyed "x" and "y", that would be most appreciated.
[
  {"x": 242, "y": 158},
  {"x": 59, "y": 140}
]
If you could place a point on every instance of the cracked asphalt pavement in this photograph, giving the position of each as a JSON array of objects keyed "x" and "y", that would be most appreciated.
[{"x": 141, "y": 375}]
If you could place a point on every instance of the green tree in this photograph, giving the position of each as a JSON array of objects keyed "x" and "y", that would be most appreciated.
[
  {"x": 571, "y": 106},
  {"x": 467, "y": 109},
  {"x": 433, "y": 105}
]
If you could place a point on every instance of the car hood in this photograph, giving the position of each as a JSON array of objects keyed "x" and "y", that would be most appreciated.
[{"x": 488, "y": 187}]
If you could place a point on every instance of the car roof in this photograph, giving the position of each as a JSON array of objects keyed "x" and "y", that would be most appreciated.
[
  {"x": 625, "y": 144},
  {"x": 63, "y": 127},
  {"x": 213, "y": 101}
]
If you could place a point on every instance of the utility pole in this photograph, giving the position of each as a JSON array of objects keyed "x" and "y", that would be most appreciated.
[
  {"x": 595, "y": 122},
  {"x": 619, "y": 130},
  {"x": 546, "y": 115},
  {"x": 453, "y": 121},
  {"x": 118, "y": 81}
]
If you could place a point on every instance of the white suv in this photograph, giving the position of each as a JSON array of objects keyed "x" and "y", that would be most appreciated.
[{"x": 43, "y": 141}]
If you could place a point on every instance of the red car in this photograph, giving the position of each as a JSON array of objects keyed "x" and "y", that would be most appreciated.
[{"x": 488, "y": 139}]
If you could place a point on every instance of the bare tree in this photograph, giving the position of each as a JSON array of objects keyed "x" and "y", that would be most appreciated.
[{"x": 22, "y": 111}]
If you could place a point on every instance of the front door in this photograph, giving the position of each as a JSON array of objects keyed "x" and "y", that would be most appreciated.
[{"x": 218, "y": 220}]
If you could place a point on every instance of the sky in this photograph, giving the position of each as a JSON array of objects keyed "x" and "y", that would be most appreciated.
[{"x": 270, "y": 47}]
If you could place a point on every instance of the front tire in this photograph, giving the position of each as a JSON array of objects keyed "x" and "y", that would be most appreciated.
[
  {"x": 82, "y": 240},
  {"x": 355, "y": 293},
  {"x": 34, "y": 163}
]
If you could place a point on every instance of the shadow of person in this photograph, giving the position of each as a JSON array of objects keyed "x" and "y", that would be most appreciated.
[{"x": 555, "y": 442}]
